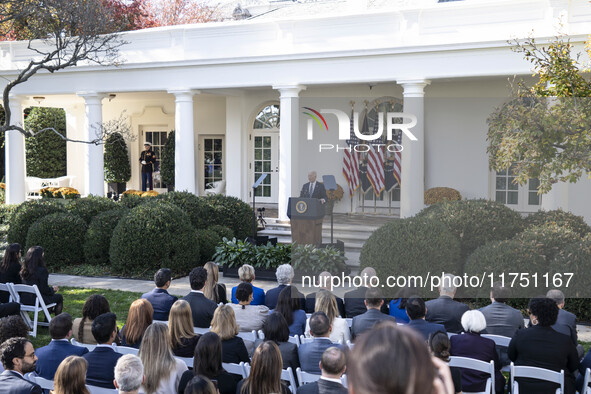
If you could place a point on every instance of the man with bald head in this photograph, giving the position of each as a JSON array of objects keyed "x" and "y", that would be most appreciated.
[
  {"x": 332, "y": 367},
  {"x": 324, "y": 283},
  {"x": 313, "y": 189},
  {"x": 355, "y": 299}
]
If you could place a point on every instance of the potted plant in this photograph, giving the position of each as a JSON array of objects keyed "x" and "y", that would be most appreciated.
[
  {"x": 117, "y": 166},
  {"x": 167, "y": 162}
]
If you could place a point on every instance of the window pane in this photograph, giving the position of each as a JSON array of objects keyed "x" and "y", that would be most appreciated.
[
  {"x": 267, "y": 154},
  {"x": 503, "y": 172},
  {"x": 267, "y": 166},
  {"x": 533, "y": 198},
  {"x": 258, "y": 154},
  {"x": 534, "y": 184},
  {"x": 267, "y": 191},
  {"x": 267, "y": 142},
  {"x": 511, "y": 185},
  {"x": 258, "y": 142},
  {"x": 217, "y": 144},
  {"x": 207, "y": 144},
  {"x": 512, "y": 198},
  {"x": 258, "y": 166},
  {"x": 500, "y": 197},
  {"x": 501, "y": 183},
  {"x": 217, "y": 158}
]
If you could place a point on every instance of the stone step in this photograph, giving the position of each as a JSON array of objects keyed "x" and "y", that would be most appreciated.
[
  {"x": 347, "y": 237},
  {"x": 279, "y": 226}
]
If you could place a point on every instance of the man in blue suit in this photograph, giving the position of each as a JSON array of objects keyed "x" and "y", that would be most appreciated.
[
  {"x": 202, "y": 308},
  {"x": 50, "y": 356},
  {"x": 366, "y": 321},
  {"x": 310, "y": 353},
  {"x": 102, "y": 360},
  {"x": 18, "y": 358},
  {"x": 416, "y": 311},
  {"x": 159, "y": 298}
]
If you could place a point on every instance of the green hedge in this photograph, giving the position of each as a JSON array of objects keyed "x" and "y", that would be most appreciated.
[
  {"x": 61, "y": 235},
  {"x": 153, "y": 235},
  {"x": 235, "y": 253},
  {"x": 99, "y": 234},
  {"x": 560, "y": 218},
  {"x": 87, "y": 208},
  {"x": 208, "y": 240},
  {"x": 549, "y": 239},
  {"x": 117, "y": 166},
  {"x": 167, "y": 160},
  {"x": 131, "y": 200},
  {"x": 313, "y": 260},
  {"x": 227, "y": 211},
  {"x": 46, "y": 152},
  {"x": 188, "y": 202},
  {"x": 28, "y": 213},
  {"x": 222, "y": 231},
  {"x": 6, "y": 212},
  {"x": 575, "y": 258}
]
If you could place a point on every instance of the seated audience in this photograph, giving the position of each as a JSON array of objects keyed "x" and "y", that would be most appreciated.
[
  {"x": 472, "y": 345},
  {"x": 397, "y": 307},
  {"x": 265, "y": 372},
  {"x": 410, "y": 367},
  {"x": 138, "y": 319},
  {"x": 276, "y": 329},
  {"x": 161, "y": 369},
  {"x": 180, "y": 325},
  {"x": 248, "y": 317},
  {"x": 102, "y": 360},
  {"x": 10, "y": 268},
  {"x": 440, "y": 346},
  {"x": 34, "y": 272},
  {"x": 18, "y": 358},
  {"x": 327, "y": 303},
  {"x": 70, "y": 376},
  {"x": 416, "y": 311},
  {"x": 50, "y": 356},
  {"x": 540, "y": 346},
  {"x": 201, "y": 385},
  {"x": 246, "y": 275},
  {"x": 13, "y": 327},
  {"x": 501, "y": 319},
  {"x": 354, "y": 299},
  {"x": 585, "y": 363},
  {"x": 10, "y": 309},
  {"x": 94, "y": 306},
  {"x": 284, "y": 274},
  {"x": 325, "y": 284},
  {"x": 129, "y": 374},
  {"x": 224, "y": 324},
  {"x": 202, "y": 308},
  {"x": 208, "y": 362},
  {"x": 288, "y": 304},
  {"x": 213, "y": 290},
  {"x": 566, "y": 322},
  {"x": 310, "y": 353},
  {"x": 332, "y": 367},
  {"x": 364, "y": 322},
  {"x": 445, "y": 310},
  {"x": 159, "y": 298}
]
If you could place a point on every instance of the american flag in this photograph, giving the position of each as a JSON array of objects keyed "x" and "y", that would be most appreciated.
[
  {"x": 375, "y": 161},
  {"x": 351, "y": 160},
  {"x": 398, "y": 158}
]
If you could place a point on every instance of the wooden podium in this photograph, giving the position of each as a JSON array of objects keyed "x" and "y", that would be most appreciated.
[{"x": 306, "y": 215}]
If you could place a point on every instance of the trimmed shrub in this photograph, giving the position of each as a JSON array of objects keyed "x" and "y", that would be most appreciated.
[
  {"x": 117, "y": 167},
  {"x": 26, "y": 214},
  {"x": 236, "y": 253},
  {"x": 154, "y": 235},
  {"x": 99, "y": 234},
  {"x": 576, "y": 259},
  {"x": 46, "y": 151},
  {"x": 208, "y": 240},
  {"x": 61, "y": 235},
  {"x": 189, "y": 203},
  {"x": 413, "y": 246},
  {"x": 227, "y": 211},
  {"x": 167, "y": 160},
  {"x": 88, "y": 207},
  {"x": 6, "y": 212},
  {"x": 438, "y": 194},
  {"x": 312, "y": 260},
  {"x": 561, "y": 218},
  {"x": 222, "y": 231},
  {"x": 131, "y": 200},
  {"x": 549, "y": 239},
  {"x": 475, "y": 222}
]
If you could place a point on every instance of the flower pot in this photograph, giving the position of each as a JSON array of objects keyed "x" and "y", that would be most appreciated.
[{"x": 260, "y": 273}]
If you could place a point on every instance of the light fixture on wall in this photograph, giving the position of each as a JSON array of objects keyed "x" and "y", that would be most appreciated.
[
  {"x": 112, "y": 96},
  {"x": 38, "y": 99}
]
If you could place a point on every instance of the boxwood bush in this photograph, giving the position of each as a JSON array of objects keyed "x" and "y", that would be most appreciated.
[
  {"x": 153, "y": 235},
  {"x": 99, "y": 234},
  {"x": 131, "y": 200},
  {"x": 235, "y": 253},
  {"x": 26, "y": 214},
  {"x": 6, "y": 212},
  {"x": 413, "y": 246},
  {"x": 61, "y": 235},
  {"x": 227, "y": 211},
  {"x": 189, "y": 203},
  {"x": 208, "y": 240},
  {"x": 222, "y": 231},
  {"x": 88, "y": 207},
  {"x": 561, "y": 218},
  {"x": 475, "y": 222},
  {"x": 312, "y": 260},
  {"x": 575, "y": 258},
  {"x": 549, "y": 239}
]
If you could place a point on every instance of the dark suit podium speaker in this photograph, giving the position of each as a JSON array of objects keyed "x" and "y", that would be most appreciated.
[{"x": 306, "y": 215}]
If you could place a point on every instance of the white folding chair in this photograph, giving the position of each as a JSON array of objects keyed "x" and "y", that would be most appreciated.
[
  {"x": 305, "y": 377},
  {"x": 236, "y": 369},
  {"x": 101, "y": 390},
  {"x": 350, "y": 344},
  {"x": 586, "y": 388},
  {"x": 86, "y": 345},
  {"x": 344, "y": 381},
  {"x": 126, "y": 350},
  {"x": 200, "y": 331},
  {"x": 44, "y": 383},
  {"x": 248, "y": 336},
  {"x": 349, "y": 321},
  {"x": 303, "y": 339},
  {"x": 295, "y": 339},
  {"x": 287, "y": 374},
  {"x": 450, "y": 334},
  {"x": 6, "y": 287},
  {"x": 500, "y": 342},
  {"x": 38, "y": 307},
  {"x": 160, "y": 321},
  {"x": 477, "y": 365},
  {"x": 536, "y": 373},
  {"x": 261, "y": 334},
  {"x": 186, "y": 360}
]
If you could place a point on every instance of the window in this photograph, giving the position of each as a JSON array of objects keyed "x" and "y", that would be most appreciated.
[
  {"x": 268, "y": 118},
  {"x": 521, "y": 198},
  {"x": 158, "y": 139},
  {"x": 212, "y": 162}
]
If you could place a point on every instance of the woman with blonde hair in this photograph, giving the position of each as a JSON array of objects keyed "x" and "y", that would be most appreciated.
[
  {"x": 70, "y": 377},
  {"x": 213, "y": 290},
  {"x": 326, "y": 302},
  {"x": 162, "y": 370},
  {"x": 224, "y": 324},
  {"x": 180, "y": 326},
  {"x": 265, "y": 373},
  {"x": 247, "y": 275},
  {"x": 138, "y": 319}
]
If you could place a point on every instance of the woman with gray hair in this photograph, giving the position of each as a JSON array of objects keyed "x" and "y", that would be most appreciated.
[
  {"x": 129, "y": 374},
  {"x": 472, "y": 345},
  {"x": 284, "y": 274},
  {"x": 246, "y": 275}
]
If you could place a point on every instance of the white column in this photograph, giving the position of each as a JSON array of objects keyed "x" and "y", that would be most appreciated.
[
  {"x": 15, "y": 156},
  {"x": 94, "y": 173},
  {"x": 185, "y": 176},
  {"x": 236, "y": 169},
  {"x": 288, "y": 145},
  {"x": 413, "y": 156}
]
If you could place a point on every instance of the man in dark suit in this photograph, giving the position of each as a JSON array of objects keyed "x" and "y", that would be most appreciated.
[
  {"x": 324, "y": 284},
  {"x": 202, "y": 308},
  {"x": 332, "y": 367},
  {"x": 284, "y": 274},
  {"x": 365, "y": 322},
  {"x": 18, "y": 358},
  {"x": 355, "y": 299},
  {"x": 50, "y": 356},
  {"x": 501, "y": 319},
  {"x": 310, "y": 353},
  {"x": 566, "y": 323},
  {"x": 416, "y": 311},
  {"x": 102, "y": 360},
  {"x": 444, "y": 310},
  {"x": 313, "y": 189},
  {"x": 159, "y": 298}
]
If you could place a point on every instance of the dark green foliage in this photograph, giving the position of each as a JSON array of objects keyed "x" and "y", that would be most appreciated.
[
  {"x": 475, "y": 222},
  {"x": 235, "y": 253},
  {"x": 6, "y": 212},
  {"x": 549, "y": 239},
  {"x": 227, "y": 211},
  {"x": 46, "y": 151},
  {"x": 117, "y": 166},
  {"x": 131, "y": 200},
  {"x": 208, "y": 240},
  {"x": 154, "y": 235},
  {"x": 561, "y": 218},
  {"x": 25, "y": 215},
  {"x": 88, "y": 207},
  {"x": 99, "y": 234},
  {"x": 62, "y": 237},
  {"x": 312, "y": 260},
  {"x": 413, "y": 246},
  {"x": 167, "y": 160},
  {"x": 575, "y": 258},
  {"x": 222, "y": 231},
  {"x": 189, "y": 203}
]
